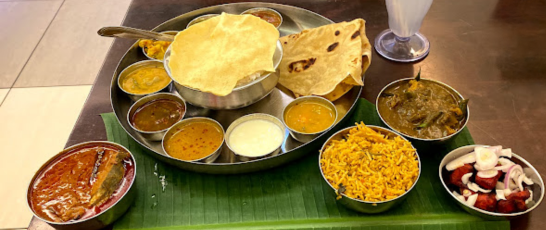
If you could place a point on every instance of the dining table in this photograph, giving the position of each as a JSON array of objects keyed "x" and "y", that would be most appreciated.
[{"x": 492, "y": 51}]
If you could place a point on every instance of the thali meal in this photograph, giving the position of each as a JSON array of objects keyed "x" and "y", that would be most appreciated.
[
  {"x": 255, "y": 138},
  {"x": 211, "y": 57},
  {"x": 194, "y": 140},
  {"x": 487, "y": 179},
  {"x": 145, "y": 79},
  {"x": 154, "y": 49},
  {"x": 82, "y": 183},
  {"x": 325, "y": 61},
  {"x": 422, "y": 108},
  {"x": 309, "y": 116},
  {"x": 159, "y": 114},
  {"x": 266, "y": 14},
  {"x": 369, "y": 166}
]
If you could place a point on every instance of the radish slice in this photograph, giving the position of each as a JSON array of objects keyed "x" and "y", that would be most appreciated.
[
  {"x": 466, "y": 178},
  {"x": 488, "y": 173},
  {"x": 459, "y": 162},
  {"x": 459, "y": 196},
  {"x": 485, "y": 158},
  {"x": 475, "y": 187},
  {"x": 500, "y": 194},
  {"x": 472, "y": 200},
  {"x": 530, "y": 197},
  {"x": 499, "y": 185}
]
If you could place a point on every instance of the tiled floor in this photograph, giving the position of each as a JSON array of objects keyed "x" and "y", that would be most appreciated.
[{"x": 51, "y": 56}]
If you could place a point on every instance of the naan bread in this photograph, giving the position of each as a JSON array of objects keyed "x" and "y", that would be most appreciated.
[
  {"x": 213, "y": 55},
  {"x": 325, "y": 61}
]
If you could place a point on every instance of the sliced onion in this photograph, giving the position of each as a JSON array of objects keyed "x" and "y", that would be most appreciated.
[
  {"x": 506, "y": 153},
  {"x": 530, "y": 197},
  {"x": 496, "y": 149},
  {"x": 508, "y": 175},
  {"x": 466, "y": 177},
  {"x": 488, "y": 173},
  {"x": 499, "y": 185},
  {"x": 472, "y": 200},
  {"x": 520, "y": 181},
  {"x": 527, "y": 180},
  {"x": 507, "y": 192},
  {"x": 485, "y": 158},
  {"x": 459, "y": 196},
  {"x": 475, "y": 187},
  {"x": 500, "y": 194},
  {"x": 467, "y": 193},
  {"x": 505, "y": 164},
  {"x": 459, "y": 162}
]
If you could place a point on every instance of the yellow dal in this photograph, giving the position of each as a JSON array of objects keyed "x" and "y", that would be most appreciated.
[
  {"x": 369, "y": 166},
  {"x": 145, "y": 80},
  {"x": 309, "y": 117},
  {"x": 194, "y": 141}
]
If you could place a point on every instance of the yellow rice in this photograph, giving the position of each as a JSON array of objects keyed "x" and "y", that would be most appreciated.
[{"x": 369, "y": 166}]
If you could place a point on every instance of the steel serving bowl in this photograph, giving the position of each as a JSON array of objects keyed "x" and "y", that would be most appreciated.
[
  {"x": 154, "y": 135},
  {"x": 171, "y": 32},
  {"x": 257, "y": 9},
  {"x": 240, "y": 96},
  {"x": 306, "y": 137},
  {"x": 537, "y": 187},
  {"x": 254, "y": 116},
  {"x": 200, "y": 19},
  {"x": 360, "y": 205},
  {"x": 422, "y": 140},
  {"x": 176, "y": 127},
  {"x": 136, "y": 66},
  {"x": 106, "y": 216}
]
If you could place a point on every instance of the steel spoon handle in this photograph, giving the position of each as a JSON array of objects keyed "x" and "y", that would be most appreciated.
[{"x": 127, "y": 32}]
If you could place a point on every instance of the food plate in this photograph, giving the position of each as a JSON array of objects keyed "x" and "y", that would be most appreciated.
[{"x": 294, "y": 20}]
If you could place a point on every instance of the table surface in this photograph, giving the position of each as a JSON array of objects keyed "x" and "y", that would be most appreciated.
[{"x": 491, "y": 51}]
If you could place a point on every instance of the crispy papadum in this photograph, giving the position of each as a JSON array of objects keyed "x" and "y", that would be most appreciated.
[
  {"x": 325, "y": 61},
  {"x": 213, "y": 55}
]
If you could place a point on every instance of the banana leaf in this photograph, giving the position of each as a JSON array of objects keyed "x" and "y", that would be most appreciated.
[{"x": 293, "y": 196}]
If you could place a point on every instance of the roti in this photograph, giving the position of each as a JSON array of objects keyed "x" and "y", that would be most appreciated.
[
  {"x": 213, "y": 55},
  {"x": 325, "y": 61}
]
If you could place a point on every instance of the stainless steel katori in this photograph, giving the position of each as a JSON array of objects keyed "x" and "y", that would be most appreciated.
[
  {"x": 240, "y": 96},
  {"x": 294, "y": 20},
  {"x": 106, "y": 216},
  {"x": 200, "y": 19},
  {"x": 264, "y": 9},
  {"x": 306, "y": 137},
  {"x": 176, "y": 128},
  {"x": 416, "y": 139},
  {"x": 360, "y": 205},
  {"x": 128, "y": 70},
  {"x": 153, "y": 135},
  {"x": 534, "y": 175},
  {"x": 164, "y": 32}
]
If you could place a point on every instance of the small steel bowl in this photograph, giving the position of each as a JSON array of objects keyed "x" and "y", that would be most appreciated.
[
  {"x": 240, "y": 96},
  {"x": 360, "y": 205},
  {"x": 306, "y": 137},
  {"x": 172, "y": 32},
  {"x": 537, "y": 187},
  {"x": 153, "y": 135},
  {"x": 175, "y": 128},
  {"x": 252, "y": 10},
  {"x": 422, "y": 140},
  {"x": 200, "y": 19},
  {"x": 136, "y": 66},
  {"x": 254, "y": 116},
  {"x": 105, "y": 217}
]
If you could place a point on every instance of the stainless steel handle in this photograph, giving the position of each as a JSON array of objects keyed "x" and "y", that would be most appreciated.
[{"x": 132, "y": 33}]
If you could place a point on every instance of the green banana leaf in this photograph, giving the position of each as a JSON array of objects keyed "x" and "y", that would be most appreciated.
[{"x": 293, "y": 196}]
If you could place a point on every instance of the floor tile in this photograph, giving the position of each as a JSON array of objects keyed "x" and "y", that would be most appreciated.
[
  {"x": 71, "y": 52},
  {"x": 3, "y": 93},
  {"x": 35, "y": 124},
  {"x": 18, "y": 40}
]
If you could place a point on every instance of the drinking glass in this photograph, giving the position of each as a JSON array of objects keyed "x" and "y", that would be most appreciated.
[{"x": 402, "y": 42}]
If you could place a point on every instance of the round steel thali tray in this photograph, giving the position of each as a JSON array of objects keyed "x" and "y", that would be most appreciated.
[{"x": 294, "y": 20}]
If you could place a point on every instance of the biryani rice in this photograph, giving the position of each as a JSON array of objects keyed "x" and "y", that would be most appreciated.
[{"x": 368, "y": 166}]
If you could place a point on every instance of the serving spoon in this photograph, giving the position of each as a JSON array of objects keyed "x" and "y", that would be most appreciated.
[{"x": 133, "y": 33}]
